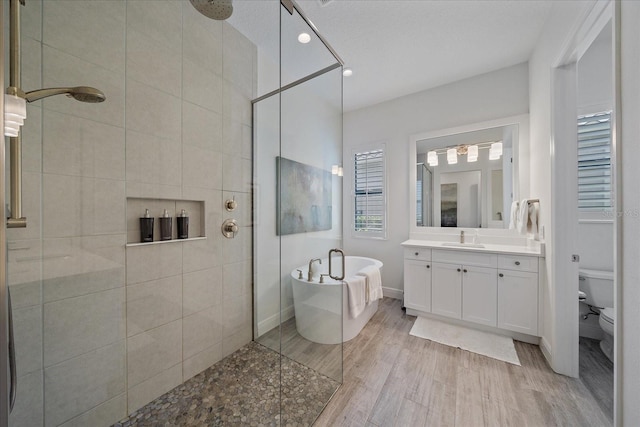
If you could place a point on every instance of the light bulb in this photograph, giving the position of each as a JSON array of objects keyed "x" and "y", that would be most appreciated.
[
  {"x": 304, "y": 38},
  {"x": 334, "y": 170},
  {"x": 472, "y": 153},
  {"x": 452, "y": 156},
  {"x": 347, "y": 72}
]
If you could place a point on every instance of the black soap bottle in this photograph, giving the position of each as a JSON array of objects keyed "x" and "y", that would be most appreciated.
[
  {"x": 165, "y": 226},
  {"x": 183, "y": 225},
  {"x": 146, "y": 227}
]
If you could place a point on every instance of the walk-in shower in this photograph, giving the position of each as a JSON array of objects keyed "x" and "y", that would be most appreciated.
[{"x": 198, "y": 331}]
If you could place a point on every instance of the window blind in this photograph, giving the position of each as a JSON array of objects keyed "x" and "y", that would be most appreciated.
[
  {"x": 369, "y": 212},
  {"x": 594, "y": 161}
]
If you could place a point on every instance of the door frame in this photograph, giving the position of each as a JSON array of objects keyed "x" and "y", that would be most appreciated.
[{"x": 564, "y": 186}]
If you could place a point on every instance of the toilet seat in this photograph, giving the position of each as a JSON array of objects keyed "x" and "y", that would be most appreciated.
[{"x": 609, "y": 315}]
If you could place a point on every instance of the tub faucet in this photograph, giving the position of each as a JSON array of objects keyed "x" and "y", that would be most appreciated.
[
  {"x": 310, "y": 274},
  {"x": 461, "y": 236}
]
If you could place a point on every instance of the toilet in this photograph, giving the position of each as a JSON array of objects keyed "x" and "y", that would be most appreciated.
[{"x": 597, "y": 286}]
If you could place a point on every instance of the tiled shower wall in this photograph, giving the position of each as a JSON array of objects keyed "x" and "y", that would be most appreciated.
[{"x": 102, "y": 328}]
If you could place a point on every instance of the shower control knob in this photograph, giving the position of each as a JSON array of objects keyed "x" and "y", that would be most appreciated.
[{"x": 229, "y": 228}]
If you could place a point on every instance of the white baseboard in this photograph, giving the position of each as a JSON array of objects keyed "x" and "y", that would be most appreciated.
[
  {"x": 272, "y": 321},
  {"x": 392, "y": 293},
  {"x": 546, "y": 349}
]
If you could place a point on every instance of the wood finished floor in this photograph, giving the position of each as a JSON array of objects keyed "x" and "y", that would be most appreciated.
[
  {"x": 394, "y": 379},
  {"x": 596, "y": 372}
]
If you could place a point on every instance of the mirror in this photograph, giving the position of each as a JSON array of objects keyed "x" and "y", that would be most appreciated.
[{"x": 466, "y": 176}]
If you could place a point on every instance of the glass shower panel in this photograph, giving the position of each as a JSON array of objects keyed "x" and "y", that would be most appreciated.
[{"x": 309, "y": 222}]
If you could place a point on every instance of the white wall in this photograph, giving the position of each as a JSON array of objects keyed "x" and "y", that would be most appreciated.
[
  {"x": 629, "y": 267},
  {"x": 497, "y": 94}
]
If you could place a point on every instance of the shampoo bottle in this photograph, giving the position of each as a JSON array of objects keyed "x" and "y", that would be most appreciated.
[
  {"x": 165, "y": 226},
  {"x": 146, "y": 227},
  {"x": 183, "y": 225}
]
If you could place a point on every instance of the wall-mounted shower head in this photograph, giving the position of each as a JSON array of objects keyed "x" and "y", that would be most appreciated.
[
  {"x": 214, "y": 9},
  {"x": 79, "y": 93}
]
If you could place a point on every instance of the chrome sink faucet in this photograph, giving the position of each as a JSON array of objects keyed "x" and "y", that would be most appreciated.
[
  {"x": 310, "y": 274},
  {"x": 461, "y": 236}
]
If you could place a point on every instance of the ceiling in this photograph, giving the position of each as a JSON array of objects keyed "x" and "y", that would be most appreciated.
[{"x": 399, "y": 47}]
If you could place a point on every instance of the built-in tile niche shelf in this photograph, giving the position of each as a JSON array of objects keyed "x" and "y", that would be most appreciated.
[{"x": 135, "y": 210}]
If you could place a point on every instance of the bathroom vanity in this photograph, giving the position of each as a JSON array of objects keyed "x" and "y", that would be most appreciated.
[{"x": 482, "y": 285}]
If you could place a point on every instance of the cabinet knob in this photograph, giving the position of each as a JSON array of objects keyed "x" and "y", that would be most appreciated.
[
  {"x": 428, "y": 266},
  {"x": 465, "y": 270},
  {"x": 417, "y": 253},
  {"x": 517, "y": 262},
  {"x": 458, "y": 270},
  {"x": 501, "y": 275}
]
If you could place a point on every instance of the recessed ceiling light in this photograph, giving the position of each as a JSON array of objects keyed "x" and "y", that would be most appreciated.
[
  {"x": 304, "y": 38},
  {"x": 347, "y": 72}
]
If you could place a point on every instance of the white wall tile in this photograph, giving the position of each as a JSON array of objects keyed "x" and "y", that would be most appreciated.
[
  {"x": 202, "y": 289},
  {"x": 236, "y": 314},
  {"x": 232, "y": 176},
  {"x": 31, "y": 65},
  {"x": 163, "y": 120},
  {"x": 202, "y": 254},
  {"x": 153, "y": 63},
  {"x": 154, "y": 351},
  {"x": 236, "y": 341},
  {"x": 201, "y": 361},
  {"x": 239, "y": 57},
  {"x": 236, "y": 104},
  {"x": 153, "y": 190},
  {"x": 201, "y": 128},
  {"x": 31, "y": 205},
  {"x": 237, "y": 279},
  {"x": 63, "y": 70},
  {"x": 27, "y": 327},
  {"x": 201, "y": 86},
  {"x": 203, "y": 44},
  {"x": 153, "y": 159},
  {"x": 160, "y": 20},
  {"x": 82, "y": 265},
  {"x": 152, "y": 304},
  {"x": 201, "y": 168},
  {"x": 107, "y": 413},
  {"x": 75, "y": 326},
  {"x": 31, "y": 20},
  {"x": 81, "y": 147},
  {"x": 79, "y": 384},
  {"x": 143, "y": 393},
  {"x": 28, "y": 409},
  {"x": 93, "y": 31},
  {"x": 232, "y": 142},
  {"x": 146, "y": 263},
  {"x": 201, "y": 330}
]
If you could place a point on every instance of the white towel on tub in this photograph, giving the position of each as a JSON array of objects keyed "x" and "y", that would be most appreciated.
[
  {"x": 356, "y": 289},
  {"x": 374, "y": 282}
]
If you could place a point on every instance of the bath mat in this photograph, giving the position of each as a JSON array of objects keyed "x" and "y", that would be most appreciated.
[{"x": 485, "y": 343}]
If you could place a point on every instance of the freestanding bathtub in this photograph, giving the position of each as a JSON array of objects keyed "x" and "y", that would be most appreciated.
[{"x": 320, "y": 308}]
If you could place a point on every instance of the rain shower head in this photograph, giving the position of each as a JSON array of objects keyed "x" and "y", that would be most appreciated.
[
  {"x": 79, "y": 93},
  {"x": 214, "y": 9}
]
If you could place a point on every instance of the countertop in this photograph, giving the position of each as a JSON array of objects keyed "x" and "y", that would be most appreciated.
[{"x": 533, "y": 250}]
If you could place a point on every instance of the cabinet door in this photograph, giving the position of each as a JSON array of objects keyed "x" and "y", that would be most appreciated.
[
  {"x": 480, "y": 295},
  {"x": 417, "y": 285},
  {"x": 518, "y": 301},
  {"x": 446, "y": 289}
]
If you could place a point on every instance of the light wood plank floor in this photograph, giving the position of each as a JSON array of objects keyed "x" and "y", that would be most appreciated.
[
  {"x": 394, "y": 379},
  {"x": 596, "y": 372}
]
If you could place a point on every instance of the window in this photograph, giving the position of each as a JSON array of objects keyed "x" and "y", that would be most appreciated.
[
  {"x": 369, "y": 193},
  {"x": 594, "y": 162}
]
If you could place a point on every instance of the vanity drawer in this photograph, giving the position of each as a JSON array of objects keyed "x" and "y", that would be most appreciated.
[
  {"x": 518, "y": 263},
  {"x": 465, "y": 258},
  {"x": 417, "y": 253}
]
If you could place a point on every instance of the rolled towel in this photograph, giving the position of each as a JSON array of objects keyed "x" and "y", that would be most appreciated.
[
  {"x": 513, "y": 216},
  {"x": 374, "y": 282},
  {"x": 356, "y": 288}
]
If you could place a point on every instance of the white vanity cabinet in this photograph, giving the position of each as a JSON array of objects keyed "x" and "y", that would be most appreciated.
[
  {"x": 498, "y": 290},
  {"x": 417, "y": 279},
  {"x": 518, "y": 294},
  {"x": 464, "y": 286}
]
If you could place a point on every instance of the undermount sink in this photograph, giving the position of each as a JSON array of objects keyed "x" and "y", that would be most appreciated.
[{"x": 463, "y": 245}]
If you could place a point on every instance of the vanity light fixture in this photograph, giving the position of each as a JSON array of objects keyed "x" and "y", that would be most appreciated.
[
  {"x": 452, "y": 156},
  {"x": 340, "y": 171},
  {"x": 334, "y": 169},
  {"x": 495, "y": 151},
  {"x": 15, "y": 111},
  {"x": 304, "y": 38},
  {"x": 347, "y": 72},
  {"x": 432, "y": 158},
  {"x": 472, "y": 153}
]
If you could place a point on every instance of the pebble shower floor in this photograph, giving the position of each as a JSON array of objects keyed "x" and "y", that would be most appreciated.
[{"x": 241, "y": 390}]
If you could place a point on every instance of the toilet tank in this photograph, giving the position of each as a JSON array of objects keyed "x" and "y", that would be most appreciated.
[{"x": 598, "y": 285}]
